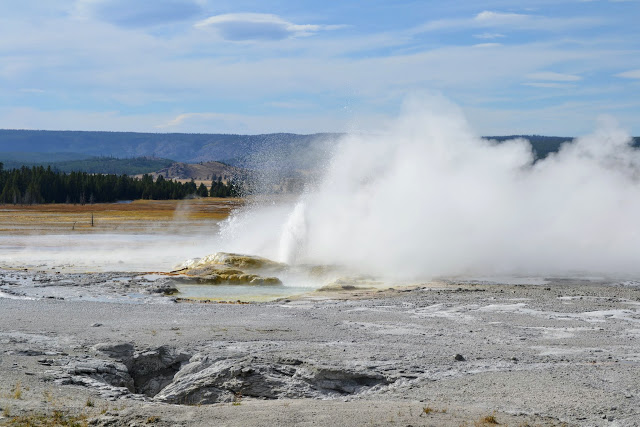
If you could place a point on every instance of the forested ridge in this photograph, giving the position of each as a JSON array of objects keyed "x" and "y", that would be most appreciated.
[
  {"x": 182, "y": 147},
  {"x": 105, "y": 164},
  {"x": 44, "y": 185}
]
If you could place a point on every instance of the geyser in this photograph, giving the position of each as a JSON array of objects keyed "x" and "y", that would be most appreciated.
[{"x": 426, "y": 197}]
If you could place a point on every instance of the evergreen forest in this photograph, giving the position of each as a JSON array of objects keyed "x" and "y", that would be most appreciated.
[{"x": 43, "y": 185}]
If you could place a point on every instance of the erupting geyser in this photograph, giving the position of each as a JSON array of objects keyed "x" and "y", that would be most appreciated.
[{"x": 427, "y": 197}]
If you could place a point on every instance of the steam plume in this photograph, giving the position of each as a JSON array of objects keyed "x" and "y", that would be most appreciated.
[{"x": 426, "y": 197}]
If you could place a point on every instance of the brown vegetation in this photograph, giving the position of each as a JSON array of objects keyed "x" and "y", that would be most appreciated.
[{"x": 18, "y": 219}]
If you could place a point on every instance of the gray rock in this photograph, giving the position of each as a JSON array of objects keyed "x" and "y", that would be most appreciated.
[
  {"x": 202, "y": 382},
  {"x": 122, "y": 352},
  {"x": 30, "y": 352},
  {"x": 152, "y": 370},
  {"x": 164, "y": 288},
  {"x": 144, "y": 372},
  {"x": 105, "y": 371}
]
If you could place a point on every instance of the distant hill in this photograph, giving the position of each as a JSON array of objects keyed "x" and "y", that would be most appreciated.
[
  {"x": 112, "y": 165},
  {"x": 189, "y": 148},
  {"x": 22, "y": 157},
  {"x": 69, "y": 162},
  {"x": 541, "y": 145},
  {"x": 198, "y": 171},
  {"x": 544, "y": 145},
  {"x": 279, "y": 156}
]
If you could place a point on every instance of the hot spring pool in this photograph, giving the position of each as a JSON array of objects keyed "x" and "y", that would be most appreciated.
[{"x": 239, "y": 292}]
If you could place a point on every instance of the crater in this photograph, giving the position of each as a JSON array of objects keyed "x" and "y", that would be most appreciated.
[{"x": 171, "y": 375}]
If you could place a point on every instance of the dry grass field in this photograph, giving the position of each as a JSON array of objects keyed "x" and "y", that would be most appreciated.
[{"x": 55, "y": 218}]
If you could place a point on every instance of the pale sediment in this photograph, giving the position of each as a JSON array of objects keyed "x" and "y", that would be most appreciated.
[{"x": 563, "y": 352}]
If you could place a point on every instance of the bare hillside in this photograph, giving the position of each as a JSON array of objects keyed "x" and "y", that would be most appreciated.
[{"x": 198, "y": 171}]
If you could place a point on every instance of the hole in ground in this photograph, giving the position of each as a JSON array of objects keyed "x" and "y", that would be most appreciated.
[{"x": 174, "y": 376}]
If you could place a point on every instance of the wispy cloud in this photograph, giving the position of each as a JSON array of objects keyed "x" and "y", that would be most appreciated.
[
  {"x": 512, "y": 21},
  {"x": 548, "y": 85},
  {"x": 553, "y": 77},
  {"x": 180, "y": 119},
  {"x": 488, "y": 36},
  {"x": 258, "y": 26},
  {"x": 252, "y": 124},
  {"x": 126, "y": 13},
  {"x": 290, "y": 105},
  {"x": 487, "y": 45},
  {"x": 496, "y": 19},
  {"x": 631, "y": 74}
]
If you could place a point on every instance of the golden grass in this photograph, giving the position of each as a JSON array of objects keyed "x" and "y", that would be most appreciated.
[
  {"x": 487, "y": 420},
  {"x": 427, "y": 410},
  {"x": 18, "y": 219},
  {"x": 56, "y": 418},
  {"x": 16, "y": 392}
]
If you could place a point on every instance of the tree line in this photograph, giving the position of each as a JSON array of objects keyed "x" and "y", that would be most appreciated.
[{"x": 44, "y": 185}]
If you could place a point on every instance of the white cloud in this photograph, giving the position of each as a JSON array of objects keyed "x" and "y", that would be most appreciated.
[
  {"x": 553, "y": 77},
  {"x": 369, "y": 76},
  {"x": 292, "y": 105},
  {"x": 487, "y": 45},
  {"x": 548, "y": 85},
  {"x": 512, "y": 21},
  {"x": 32, "y": 118},
  {"x": 94, "y": 65},
  {"x": 180, "y": 119},
  {"x": 494, "y": 19},
  {"x": 258, "y": 26},
  {"x": 488, "y": 36},
  {"x": 560, "y": 119},
  {"x": 631, "y": 74},
  {"x": 212, "y": 122}
]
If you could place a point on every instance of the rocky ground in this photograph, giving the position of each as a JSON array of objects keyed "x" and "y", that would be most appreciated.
[{"x": 112, "y": 349}]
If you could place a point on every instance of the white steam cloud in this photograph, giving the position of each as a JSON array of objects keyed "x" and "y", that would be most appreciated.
[{"x": 428, "y": 198}]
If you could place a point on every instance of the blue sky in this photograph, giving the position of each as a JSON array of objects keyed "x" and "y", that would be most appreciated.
[{"x": 544, "y": 67}]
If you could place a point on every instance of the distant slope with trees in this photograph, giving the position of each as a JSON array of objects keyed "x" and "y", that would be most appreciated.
[
  {"x": 268, "y": 151},
  {"x": 106, "y": 165},
  {"x": 544, "y": 145},
  {"x": 190, "y": 148}
]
